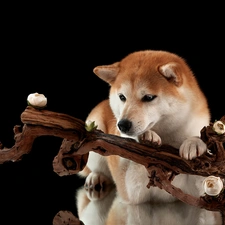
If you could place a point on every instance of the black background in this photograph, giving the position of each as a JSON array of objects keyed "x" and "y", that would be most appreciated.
[{"x": 52, "y": 49}]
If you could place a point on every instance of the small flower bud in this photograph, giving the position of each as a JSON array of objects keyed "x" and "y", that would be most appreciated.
[
  {"x": 213, "y": 185},
  {"x": 219, "y": 127},
  {"x": 37, "y": 100},
  {"x": 90, "y": 125}
]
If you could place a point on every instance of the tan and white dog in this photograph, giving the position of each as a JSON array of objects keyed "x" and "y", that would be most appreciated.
[{"x": 155, "y": 96}]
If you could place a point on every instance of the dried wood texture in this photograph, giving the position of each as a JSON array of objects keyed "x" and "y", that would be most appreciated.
[
  {"x": 66, "y": 217},
  {"x": 162, "y": 162}
]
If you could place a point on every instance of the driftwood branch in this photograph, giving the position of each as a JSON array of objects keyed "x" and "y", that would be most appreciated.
[{"x": 163, "y": 162}]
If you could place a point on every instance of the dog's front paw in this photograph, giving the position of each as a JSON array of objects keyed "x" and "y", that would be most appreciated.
[
  {"x": 97, "y": 186},
  {"x": 192, "y": 147},
  {"x": 150, "y": 137}
]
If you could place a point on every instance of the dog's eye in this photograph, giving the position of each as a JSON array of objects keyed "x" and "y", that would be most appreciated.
[
  {"x": 122, "y": 97},
  {"x": 148, "y": 98}
]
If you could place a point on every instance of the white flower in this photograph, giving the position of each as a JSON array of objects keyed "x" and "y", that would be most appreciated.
[
  {"x": 37, "y": 100},
  {"x": 213, "y": 185},
  {"x": 219, "y": 127}
]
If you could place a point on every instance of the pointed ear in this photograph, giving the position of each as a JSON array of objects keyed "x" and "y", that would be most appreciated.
[
  {"x": 107, "y": 73},
  {"x": 172, "y": 73}
]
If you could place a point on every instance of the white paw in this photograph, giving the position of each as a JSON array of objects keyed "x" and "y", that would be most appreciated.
[
  {"x": 97, "y": 186},
  {"x": 150, "y": 136},
  {"x": 192, "y": 147}
]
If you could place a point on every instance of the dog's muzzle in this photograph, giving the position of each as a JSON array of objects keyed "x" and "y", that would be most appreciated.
[{"x": 124, "y": 125}]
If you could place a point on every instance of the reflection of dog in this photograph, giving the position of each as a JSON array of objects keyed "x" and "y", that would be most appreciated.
[
  {"x": 153, "y": 96},
  {"x": 94, "y": 202},
  {"x": 173, "y": 213}
]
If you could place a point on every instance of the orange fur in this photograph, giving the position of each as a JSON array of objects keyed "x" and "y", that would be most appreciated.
[{"x": 153, "y": 95}]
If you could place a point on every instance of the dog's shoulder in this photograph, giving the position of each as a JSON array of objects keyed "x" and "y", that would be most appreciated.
[{"x": 104, "y": 118}]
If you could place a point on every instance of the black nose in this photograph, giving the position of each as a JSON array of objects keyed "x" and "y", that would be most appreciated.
[{"x": 124, "y": 125}]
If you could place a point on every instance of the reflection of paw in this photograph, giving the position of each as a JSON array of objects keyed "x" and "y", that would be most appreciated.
[
  {"x": 150, "y": 136},
  {"x": 97, "y": 186},
  {"x": 192, "y": 147}
]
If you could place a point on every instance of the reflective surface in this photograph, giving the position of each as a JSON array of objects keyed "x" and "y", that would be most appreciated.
[{"x": 108, "y": 209}]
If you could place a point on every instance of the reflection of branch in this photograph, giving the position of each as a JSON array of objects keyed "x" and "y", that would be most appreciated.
[
  {"x": 66, "y": 217},
  {"x": 163, "y": 163}
]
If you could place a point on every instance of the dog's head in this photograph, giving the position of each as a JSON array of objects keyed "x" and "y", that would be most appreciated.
[{"x": 146, "y": 87}]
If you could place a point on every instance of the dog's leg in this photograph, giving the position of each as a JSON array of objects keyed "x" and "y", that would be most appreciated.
[
  {"x": 150, "y": 136},
  {"x": 97, "y": 186},
  {"x": 192, "y": 147}
]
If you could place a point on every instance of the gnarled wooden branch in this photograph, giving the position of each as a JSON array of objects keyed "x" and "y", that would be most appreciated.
[{"x": 163, "y": 163}]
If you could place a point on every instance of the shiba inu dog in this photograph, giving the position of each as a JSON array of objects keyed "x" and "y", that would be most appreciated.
[{"x": 153, "y": 96}]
